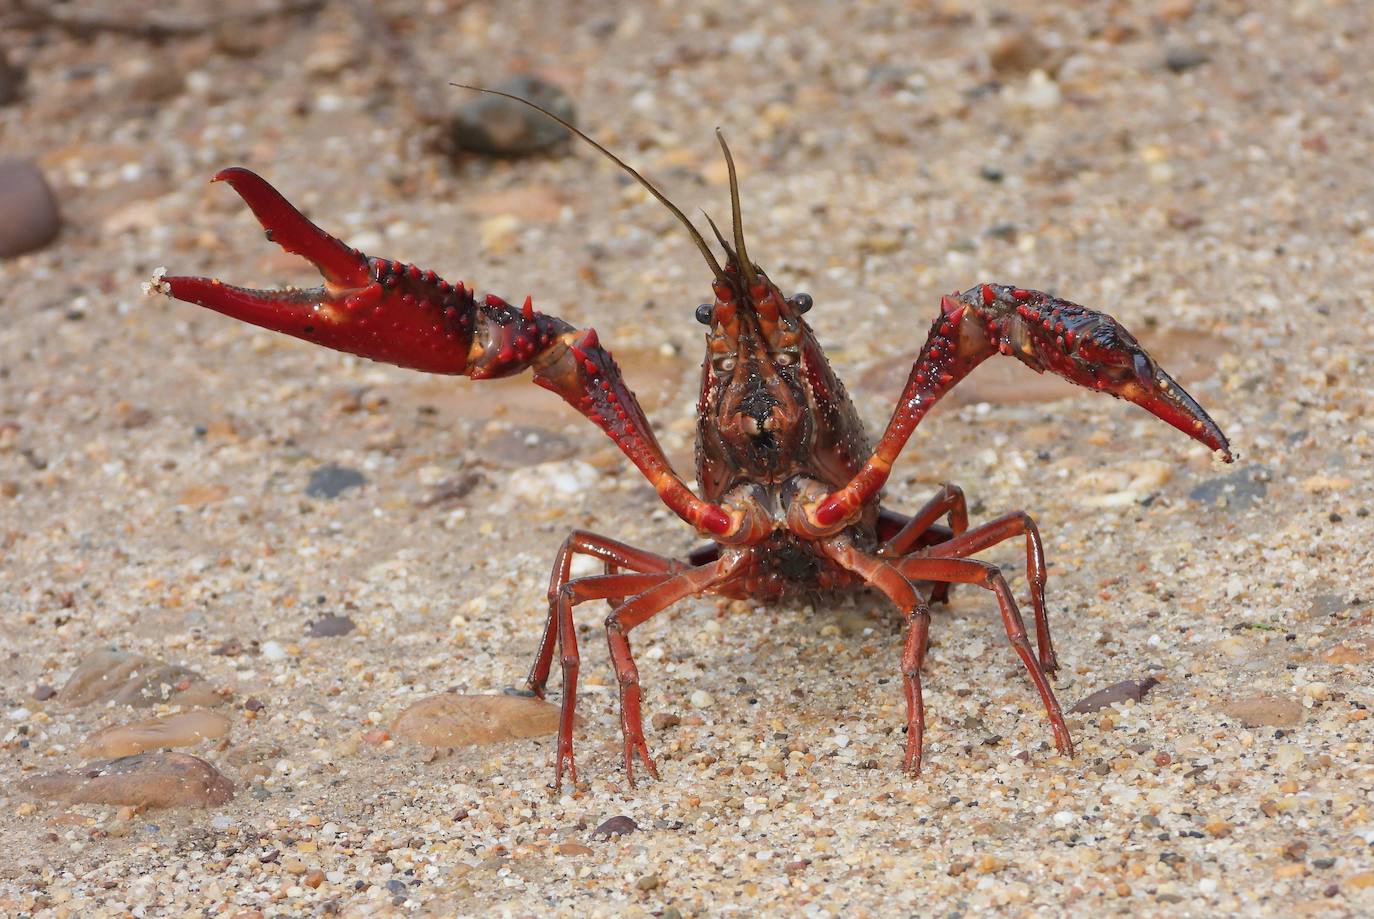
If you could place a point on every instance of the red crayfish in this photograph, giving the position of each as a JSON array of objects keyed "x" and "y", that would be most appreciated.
[{"x": 789, "y": 481}]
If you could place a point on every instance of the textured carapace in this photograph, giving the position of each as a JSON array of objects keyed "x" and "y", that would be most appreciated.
[{"x": 790, "y": 483}]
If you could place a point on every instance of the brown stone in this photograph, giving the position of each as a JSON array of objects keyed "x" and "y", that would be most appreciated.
[
  {"x": 144, "y": 780},
  {"x": 1265, "y": 711},
  {"x": 454, "y": 720}
]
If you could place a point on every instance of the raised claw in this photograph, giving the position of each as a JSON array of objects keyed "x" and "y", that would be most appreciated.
[
  {"x": 1045, "y": 333},
  {"x": 373, "y": 307},
  {"x": 1086, "y": 347}
]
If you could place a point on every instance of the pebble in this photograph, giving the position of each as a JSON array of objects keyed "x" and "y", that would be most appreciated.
[
  {"x": 330, "y": 626},
  {"x": 1236, "y": 490},
  {"x": 454, "y": 720},
  {"x": 143, "y": 780},
  {"x": 28, "y": 209},
  {"x": 273, "y": 651},
  {"x": 181, "y": 730},
  {"x": 331, "y": 481},
  {"x": 662, "y": 721},
  {"x": 128, "y": 679},
  {"x": 1266, "y": 711},
  {"x": 497, "y": 126},
  {"x": 1180, "y": 58},
  {"x": 574, "y": 848},
  {"x": 619, "y": 825},
  {"x": 700, "y": 698},
  {"x": 1126, "y": 690}
]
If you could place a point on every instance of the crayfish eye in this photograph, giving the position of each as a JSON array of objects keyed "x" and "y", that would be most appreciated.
[
  {"x": 704, "y": 313},
  {"x": 801, "y": 302},
  {"x": 724, "y": 364},
  {"x": 784, "y": 358}
]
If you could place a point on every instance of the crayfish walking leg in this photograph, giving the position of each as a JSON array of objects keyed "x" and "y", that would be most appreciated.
[
  {"x": 972, "y": 571},
  {"x": 639, "y": 609}
]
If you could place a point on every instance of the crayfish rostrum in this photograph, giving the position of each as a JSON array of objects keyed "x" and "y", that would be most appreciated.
[{"x": 790, "y": 483}]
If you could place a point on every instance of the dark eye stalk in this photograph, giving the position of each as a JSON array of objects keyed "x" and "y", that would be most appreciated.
[
  {"x": 704, "y": 313},
  {"x": 801, "y": 302}
]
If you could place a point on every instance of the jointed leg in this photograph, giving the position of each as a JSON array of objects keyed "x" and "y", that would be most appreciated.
[
  {"x": 972, "y": 571},
  {"x": 613, "y": 552},
  {"x": 569, "y": 595},
  {"x": 990, "y": 534},
  {"x": 948, "y": 500},
  {"x": 881, "y": 573},
  {"x": 636, "y": 610}
]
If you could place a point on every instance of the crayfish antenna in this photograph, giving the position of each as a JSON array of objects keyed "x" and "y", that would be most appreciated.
[
  {"x": 746, "y": 267},
  {"x": 649, "y": 186}
]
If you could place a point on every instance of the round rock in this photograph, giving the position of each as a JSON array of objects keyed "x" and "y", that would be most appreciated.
[
  {"x": 28, "y": 209},
  {"x": 497, "y": 126}
]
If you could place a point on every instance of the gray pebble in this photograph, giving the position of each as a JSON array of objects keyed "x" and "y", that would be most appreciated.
[
  {"x": 497, "y": 126},
  {"x": 28, "y": 210},
  {"x": 331, "y": 481}
]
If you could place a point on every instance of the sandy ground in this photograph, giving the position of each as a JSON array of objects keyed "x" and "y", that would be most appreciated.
[{"x": 154, "y": 461}]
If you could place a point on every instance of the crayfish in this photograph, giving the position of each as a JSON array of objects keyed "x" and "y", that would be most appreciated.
[{"x": 790, "y": 483}]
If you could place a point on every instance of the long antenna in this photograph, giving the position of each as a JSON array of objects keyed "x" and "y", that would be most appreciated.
[
  {"x": 696, "y": 237},
  {"x": 745, "y": 266}
]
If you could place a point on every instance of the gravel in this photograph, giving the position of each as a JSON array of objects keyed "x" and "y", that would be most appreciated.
[{"x": 1227, "y": 205}]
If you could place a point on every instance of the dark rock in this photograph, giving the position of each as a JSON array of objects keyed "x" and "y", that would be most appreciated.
[
  {"x": 497, "y": 126},
  {"x": 330, "y": 626},
  {"x": 1240, "y": 489},
  {"x": 1132, "y": 690},
  {"x": 331, "y": 481},
  {"x": 28, "y": 210},
  {"x": 1179, "y": 58},
  {"x": 616, "y": 826},
  {"x": 43, "y": 692}
]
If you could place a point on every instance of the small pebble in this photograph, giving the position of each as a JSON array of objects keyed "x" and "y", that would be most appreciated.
[
  {"x": 616, "y": 826},
  {"x": 700, "y": 698},
  {"x": 1181, "y": 58},
  {"x": 273, "y": 651},
  {"x": 330, "y": 626},
  {"x": 330, "y": 481},
  {"x": 1126, "y": 690}
]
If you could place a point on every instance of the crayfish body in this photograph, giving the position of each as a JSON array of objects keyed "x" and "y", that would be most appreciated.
[{"x": 789, "y": 480}]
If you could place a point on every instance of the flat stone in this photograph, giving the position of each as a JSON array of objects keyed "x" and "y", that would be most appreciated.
[
  {"x": 129, "y": 679},
  {"x": 181, "y": 730},
  {"x": 455, "y": 720},
  {"x": 331, "y": 481},
  {"x": 144, "y": 780},
  {"x": 1236, "y": 490},
  {"x": 330, "y": 626},
  {"x": 1265, "y": 711},
  {"x": 1126, "y": 690},
  {"x": 619, "y": 825},
  {"x": 28, "y": 209}
]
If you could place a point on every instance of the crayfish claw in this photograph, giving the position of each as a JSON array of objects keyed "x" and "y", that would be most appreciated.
[
  {"x": 341, "y": 266},
  {"x": 1086, "y": 347}
]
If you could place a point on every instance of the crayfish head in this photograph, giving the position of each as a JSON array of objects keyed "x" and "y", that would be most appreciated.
[{"x": 753, "y": 412}]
